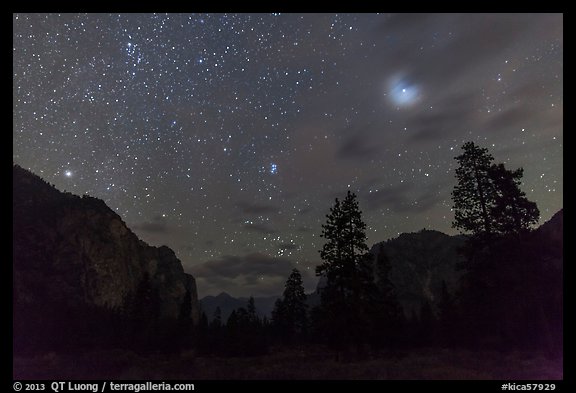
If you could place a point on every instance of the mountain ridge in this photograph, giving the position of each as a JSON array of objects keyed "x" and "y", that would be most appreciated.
[{"x": 75, "y": 252}]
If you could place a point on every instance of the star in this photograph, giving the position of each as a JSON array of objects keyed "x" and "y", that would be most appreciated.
[
  {"x": 403, "y": 92},
  {"x": 191, "y": 116}
]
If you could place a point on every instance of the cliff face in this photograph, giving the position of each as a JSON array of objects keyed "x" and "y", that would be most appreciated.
[
  {"x": 75, "y": 251},
  {"x": 420, "y": 262},
  {"x": 551, "y": 235}
]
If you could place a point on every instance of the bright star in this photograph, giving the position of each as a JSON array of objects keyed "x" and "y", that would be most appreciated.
[
  {"x": 402, "y": 91},
  {"x": 273, "y": 169},
  {"x": 68, "y": 173}
]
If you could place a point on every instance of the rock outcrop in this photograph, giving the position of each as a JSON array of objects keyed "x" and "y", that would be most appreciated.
[
  {"x": 420, "y": 261},
  {"x": 551, "y": 236},
  {"x": 75, "y": 251}
]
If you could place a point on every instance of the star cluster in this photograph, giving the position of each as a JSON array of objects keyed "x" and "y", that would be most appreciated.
[{"x": 228, "y": 136}]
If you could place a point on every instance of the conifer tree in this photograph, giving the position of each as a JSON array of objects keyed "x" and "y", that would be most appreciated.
[
  {"x": 513, "y": 213},
  {"x": 290, "y": 313},
  {"x": 344, "y": 310},
  {"x": 473, "y": 195}
]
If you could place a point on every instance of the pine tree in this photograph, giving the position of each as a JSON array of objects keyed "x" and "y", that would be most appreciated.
[
  {"x": 202, "y": 336},
  {"x": 487, "y": 198},
  {"x": 279, "y": 319},
  {"x": 290, "y": 313},
  {"x": 185, "y": 314},
  {"x": 217, "y": 319},
  {"x": 446, "y": 316},
  {"x": 143, "y": 310},
  {"x": 496, "y": 276},
  {"x": 214, "y": 339},
  {"x": 427, "y": 324},
  {"x": 252, "y": 317},
  {"x": 345, "y": 250},
  {"x": 185, "y": 324},
  {"x": 513, "y": 213},
  {"x": 473, "y": 196},
  {"x": 344, "y": 300},
  {"x": 387, "y": 311},
  {"x": 295, "y": 303}
]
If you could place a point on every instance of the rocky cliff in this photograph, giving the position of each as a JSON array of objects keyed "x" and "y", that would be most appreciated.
[
  {"x": 551, "y": 235},
  {"x": 75, "y": 251},
  {"x": 420, "y": 261}
]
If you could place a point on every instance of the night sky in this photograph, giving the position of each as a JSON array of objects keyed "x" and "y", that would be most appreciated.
[{"x": 227, "y": 137}]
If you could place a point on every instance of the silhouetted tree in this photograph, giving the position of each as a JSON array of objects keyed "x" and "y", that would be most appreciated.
[
  {"x": 499, "y": 269},
  {"x": 344, "y": 316},
  {"x": 487, "y": 198},
  {"x": 279, "y": 324},
  {"x": 290, "y": 313},
  {"x": 447, "y": 317},
  {"x": 427, "y": 325},
  {"x": 185, "y": 324},
  {"x": 217, "y": 318},
  {"x": 245, "y": 335},
  {"x": 203, "y": 342},
  {"x": 232, "y": 322},
  {"x": 473, "y": 195},
  {"x": 387, "y": 313},
  {"x": 251, "y": 316},
  {"x": 213, "y": 340},
  {"x": 143, "y": 310},
  {"x": 513, "y": 213}
]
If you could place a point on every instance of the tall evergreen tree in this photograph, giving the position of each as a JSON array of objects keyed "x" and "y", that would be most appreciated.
[
  {"x": 290, "y": 313},
  {"x": 185, "y": 324},
  {"x": 143, "y": 309},
  {"x": 347, "y": 266},
  {"x": 487, "y": 198},
  {"x": 252, "y": 317},
  {"x": 217, "y": 318},
  {"x": 185, "y": 314},
  {"x": 279, "y": 320},
  {"x": 345, "y": 249},
  {"x": 497, "y": 270},
  {"x": 473, "y": 195},
  {"x": 447, "y": 317},
  {"x": 513, "y": 213},
  {"x": 388, "y": 316}
]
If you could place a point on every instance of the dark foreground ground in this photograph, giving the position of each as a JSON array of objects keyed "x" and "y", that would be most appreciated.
[{"x": 422, "y": 364}]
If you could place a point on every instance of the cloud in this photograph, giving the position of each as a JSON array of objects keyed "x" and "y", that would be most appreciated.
[
  {"x": 287, "y": 246},
  {"x": 469, "y": 49},
  {"x": 256, "y": 209},
  {"x": 232, "y": 266},
  {"x": 357, "y": 146},
  {"x": 451, "y": 115},
  {"x": 251, "y": 274},
  {"x": 404, "y": 198},
  {"x": 508, "y": 118},
  {"x": 260, "y": 228},
  {"x": 243, "y": 286},
  {"x": 157, "y": 225}
]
